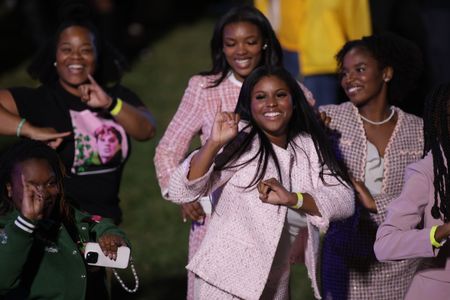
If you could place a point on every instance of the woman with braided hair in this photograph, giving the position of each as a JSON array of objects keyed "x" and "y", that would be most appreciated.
[{"x": 417, "y": 222}]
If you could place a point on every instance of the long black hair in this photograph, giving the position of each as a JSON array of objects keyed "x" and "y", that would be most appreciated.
[
  {"x": 390, "y": 50},
  {"x": 437, "y": 140},
  {"x": 25, "y": 150},
  {"x": 110, "y": 64},
  {"x": 303, "y": 121},
  {"x": 272, "y": 54}
]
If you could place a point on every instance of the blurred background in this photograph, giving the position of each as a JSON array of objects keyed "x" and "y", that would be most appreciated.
[{"x": 166, "y": 43}]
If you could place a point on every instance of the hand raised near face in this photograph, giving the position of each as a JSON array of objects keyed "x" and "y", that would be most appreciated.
[
  {"x": 32, "y": 206},
  {"x": 225, "y": 127},
  {"x": 93, "y": 94}
]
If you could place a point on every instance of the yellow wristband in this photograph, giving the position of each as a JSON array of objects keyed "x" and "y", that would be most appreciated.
[
  {"x": 433, "y": 241},
  {"x": 299, "y": 201},
  {"x": 117, "y": 108}
]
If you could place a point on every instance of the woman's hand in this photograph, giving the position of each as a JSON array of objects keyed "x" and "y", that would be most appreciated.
[
  {"x": 109, "y": 244},
  {"x": 324, "y": 118},
  {"x": 192, "y": 210},
  {"x": 93, "y": 94},
  {"x": 225, "y": 128},
  {"x": 271, "y": 191},
  {"x": 32, "y": 206},
  {"x": 48, "y": 135},
  {"x": 364, "y": 196}
]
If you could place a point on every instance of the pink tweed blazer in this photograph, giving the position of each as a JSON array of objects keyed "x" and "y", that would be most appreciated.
[
  {"x": 372, "y": 279},
  {"x": 405, "y": 233},
  {"x": 195, "y": 116},
  {"x": 237, "y": 252}
]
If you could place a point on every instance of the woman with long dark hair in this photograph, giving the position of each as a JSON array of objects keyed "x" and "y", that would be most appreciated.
[
  {"x": 242, "y": 40},
  {"x": 270, "y": 175}
]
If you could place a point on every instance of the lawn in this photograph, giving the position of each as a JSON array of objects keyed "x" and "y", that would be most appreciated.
[{"x": 154, "y": 226}]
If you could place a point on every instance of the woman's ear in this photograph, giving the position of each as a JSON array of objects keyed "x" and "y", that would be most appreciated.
[{"x": 388, "y": 73}]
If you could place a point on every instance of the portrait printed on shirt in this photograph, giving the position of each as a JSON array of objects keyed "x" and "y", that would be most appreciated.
[{"x": 100, "y": 144}]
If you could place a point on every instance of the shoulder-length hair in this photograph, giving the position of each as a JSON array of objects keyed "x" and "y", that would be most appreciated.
[
  {"x": 271, "y": 56},
  {"x": 303, "y": 121},
  {"x": 110, "y": 64}
]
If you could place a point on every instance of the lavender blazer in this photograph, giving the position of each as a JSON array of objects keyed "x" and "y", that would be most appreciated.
[
  {"x": 405, "y": 233},
  {"x": 237, "y": 252}
]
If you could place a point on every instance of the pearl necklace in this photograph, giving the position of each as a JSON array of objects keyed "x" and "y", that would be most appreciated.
[
  {"x": 380, "y": 122},
  {"x": 136, "y": 279}
]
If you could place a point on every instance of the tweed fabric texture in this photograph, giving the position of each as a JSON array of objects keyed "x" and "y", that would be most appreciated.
[
  {"x": 350, "y": 269},
  {"x": 405, "y": 234},
  {"x": 195, "y": 116},
  {"x": 243, "y": 234}
]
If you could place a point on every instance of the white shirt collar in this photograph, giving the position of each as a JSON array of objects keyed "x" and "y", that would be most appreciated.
[{"x": 234, "y": 80}]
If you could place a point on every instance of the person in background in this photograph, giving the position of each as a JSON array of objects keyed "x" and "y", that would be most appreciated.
[
  {"x": 42, "y": 237},
  {"x": 269, "y": 178},
  {"x": 311, "y": 32},
  {"x": 75, "y": 97},
  {"x": 417, "y": 222},
  {"x": 377, "y": 140},
  {"x": 242, "y": 40}
]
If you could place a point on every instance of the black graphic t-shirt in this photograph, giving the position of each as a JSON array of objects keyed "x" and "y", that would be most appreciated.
[{"x": 96, "y": 151}]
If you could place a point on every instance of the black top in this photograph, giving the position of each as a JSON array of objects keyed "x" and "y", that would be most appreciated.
[{"x": 95, "y": 153}]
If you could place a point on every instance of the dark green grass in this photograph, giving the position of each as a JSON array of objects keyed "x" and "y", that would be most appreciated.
[{"x": 154, "y": 226}]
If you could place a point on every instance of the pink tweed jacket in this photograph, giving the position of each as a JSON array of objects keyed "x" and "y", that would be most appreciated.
[
  {"x": 195, "y": 116},
  {"x": 237, "y": 252},
  {"x": 369, "y": 279},
  {"x": 405, "y": 234}
]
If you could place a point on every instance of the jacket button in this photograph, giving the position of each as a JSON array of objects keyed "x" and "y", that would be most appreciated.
[
  {"x": 83, "y": 276},
  {"x": 74, "y": 252}
]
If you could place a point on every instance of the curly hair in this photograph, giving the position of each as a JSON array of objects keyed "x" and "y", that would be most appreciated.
[
  {"x": 110, "y": 64},
  {"x": 272, "y": 55},
  {"x": 390, "y": 50},
  {"x": 436, "y": 135}
]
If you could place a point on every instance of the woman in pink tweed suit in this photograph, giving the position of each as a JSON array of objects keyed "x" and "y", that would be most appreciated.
[
  {"x": 417, "y": 223},
  {"x": 377, "y": 142},
  {"x": 242, "y": 40},
  {"x": 267, "y": 182}
]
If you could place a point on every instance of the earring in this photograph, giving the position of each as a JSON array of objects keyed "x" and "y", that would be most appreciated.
[
  {"x": 264, "y": 47},
  {"x": 55, "y": 64}
]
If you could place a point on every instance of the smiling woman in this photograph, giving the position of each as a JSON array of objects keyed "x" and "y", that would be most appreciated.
[
  {"x": 70, "y": 106},
  {"x": 377, "y": 141}
]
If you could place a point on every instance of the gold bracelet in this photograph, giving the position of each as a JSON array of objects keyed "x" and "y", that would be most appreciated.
[
  {"x": 299, "y": 201},
  {"x": 117, "y": 108}
]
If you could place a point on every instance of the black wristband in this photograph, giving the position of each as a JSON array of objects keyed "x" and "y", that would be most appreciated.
[{"x": 113, "y": 104}]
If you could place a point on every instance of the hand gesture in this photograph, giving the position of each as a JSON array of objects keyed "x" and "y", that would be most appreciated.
[
  {"x": 32, "y": 206},
  {"x": 271, "y": 191},
  {"x": 225, "y": 127},
  {"x": 192, "y": 210},
  {"x": 324, "y": 118},
  {"x": 48, "y": 135},
  {"x": 364, "y": 196},
  {"x": 109, "y": 244},
  {"x": 93, "y": 94}
]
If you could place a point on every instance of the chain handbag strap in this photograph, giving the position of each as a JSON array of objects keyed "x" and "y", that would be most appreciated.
[{"x": 136, "y": 278}]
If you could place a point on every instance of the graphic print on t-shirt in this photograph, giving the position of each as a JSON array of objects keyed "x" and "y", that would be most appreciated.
[{"x": 100, "y": 144}]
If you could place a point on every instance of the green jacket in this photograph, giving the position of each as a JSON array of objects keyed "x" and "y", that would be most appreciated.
[{"x": 61, "y": 272}]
